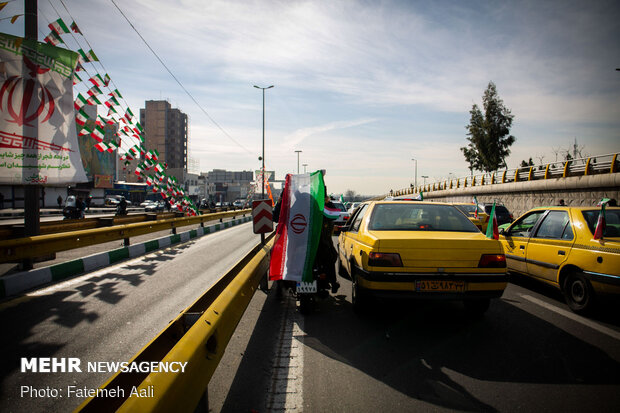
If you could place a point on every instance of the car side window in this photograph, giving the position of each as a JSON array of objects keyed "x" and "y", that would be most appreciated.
[
  {"x": 357, "y": 220},
  {"x": 523, "y": 226},
  {"x": 554, "y": 226}
]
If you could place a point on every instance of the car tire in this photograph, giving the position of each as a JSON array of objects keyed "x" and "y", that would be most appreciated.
[
  {"x": 578, "y": 292},
  {"x": 476, "y": 308},
  {"x": 359, "y": 297}
]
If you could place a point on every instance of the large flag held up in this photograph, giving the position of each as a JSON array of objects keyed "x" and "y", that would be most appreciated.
[
  {"x": 38, "y": 138},
  {"x": 299, "y": 228}
]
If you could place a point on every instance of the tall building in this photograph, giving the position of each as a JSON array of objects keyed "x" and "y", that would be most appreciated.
[{"x": 165, "y": 129}]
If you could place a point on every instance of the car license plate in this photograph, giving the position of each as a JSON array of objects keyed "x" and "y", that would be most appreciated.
[
  {"x": 439, "y": 286},
  {"x": 306, "y": 288}
]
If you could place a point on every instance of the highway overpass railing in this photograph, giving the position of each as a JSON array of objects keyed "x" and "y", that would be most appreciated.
[
  {"x": 601, "y": 164},
  {"x": 197, "y": 337}
]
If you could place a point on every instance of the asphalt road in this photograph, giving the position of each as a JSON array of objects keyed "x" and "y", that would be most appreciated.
[
  {"x": 528, "y": 353},
  {"x": 107, "y": 316}
]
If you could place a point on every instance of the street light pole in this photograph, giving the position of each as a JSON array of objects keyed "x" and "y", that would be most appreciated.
[
  {"x": 424, "y": 176},
  {"x": 415, "y": 182},
  {"x": 263, "y": 157},
  {"x": 298, "y": 152},
  {"x": 304, "y": 165}
]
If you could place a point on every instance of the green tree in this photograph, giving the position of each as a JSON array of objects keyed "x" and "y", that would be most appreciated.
[
  {"x": 489, "y": 133},
  {"x": 525, "y": 164}
]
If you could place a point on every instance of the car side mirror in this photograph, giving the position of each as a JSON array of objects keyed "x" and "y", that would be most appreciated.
[{"x": 501, "y": 231}]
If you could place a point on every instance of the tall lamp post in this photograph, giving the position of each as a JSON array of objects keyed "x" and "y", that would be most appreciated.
[
  {"x": 263, "y": 157},
  {"x": 304, "y": 165},
  {"x": 415, "y": 182},
  {"x": 298, "y": 152},
  {"x": 424, "y": 176}
]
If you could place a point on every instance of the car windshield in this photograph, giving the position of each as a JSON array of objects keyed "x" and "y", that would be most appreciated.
[
  {"x": 419, "y": 217},
  {"x": 612, "y": 221}
]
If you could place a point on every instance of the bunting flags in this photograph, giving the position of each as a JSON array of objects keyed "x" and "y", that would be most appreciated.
[
  {"x": 89, "y": 56},
  {"x": 53, "y": 38},
  {"x": 75, "y": 28},
  {"x": 59, "y": 27}
]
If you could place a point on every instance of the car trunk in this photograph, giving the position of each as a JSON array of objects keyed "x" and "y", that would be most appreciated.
[{"x": 436, "y": 251}]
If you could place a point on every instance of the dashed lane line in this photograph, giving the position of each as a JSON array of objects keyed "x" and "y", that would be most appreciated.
[{"x": 286, "y": 387}]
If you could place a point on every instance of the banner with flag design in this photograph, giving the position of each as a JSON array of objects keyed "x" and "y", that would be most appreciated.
[{"x": 37, "y": 120}]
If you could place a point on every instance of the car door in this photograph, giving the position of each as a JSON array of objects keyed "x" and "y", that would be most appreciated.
[
  {"x": 350, "y": 237},
  {"x": 515, "y": 240},
  {"x": 550, "y": 245}
]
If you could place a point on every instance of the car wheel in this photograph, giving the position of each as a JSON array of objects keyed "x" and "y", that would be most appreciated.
[
  {"x": 578, "y": 292},
  {"x": 359, "y": 297},
  {"x": 477, "y": 308},
  {"x": 342, "y": 271}
]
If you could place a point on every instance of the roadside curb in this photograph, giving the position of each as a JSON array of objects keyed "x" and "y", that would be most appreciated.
[{"x": 14, "y": 284}]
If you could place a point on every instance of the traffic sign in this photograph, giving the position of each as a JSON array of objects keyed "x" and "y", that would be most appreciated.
[{"x": 262, "y": 216}]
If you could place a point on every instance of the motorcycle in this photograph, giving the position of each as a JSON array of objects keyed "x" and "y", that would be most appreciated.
[
  {"x": 121, "y": 210},
  {"x": 71, "y": 210}
]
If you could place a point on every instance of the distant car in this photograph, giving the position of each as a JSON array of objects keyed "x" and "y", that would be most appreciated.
[
  {"x": 238, "y": 203},
  {"x": 146, "y": 203},
  {"x": 344, "y": 214},
  {"x": 501, "y": 212},
  {"x": 555, "y": 245},
  {"x": 112, "y": 201},
  {"x": 352, "y": 207},
  {"x": 155, "y": 206},
  {"x": 419, "y": 250},
  {"x": 475, "y": 213}
]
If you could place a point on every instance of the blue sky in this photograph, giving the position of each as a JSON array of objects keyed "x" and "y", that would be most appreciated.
[{"x": 361, "y": 87}]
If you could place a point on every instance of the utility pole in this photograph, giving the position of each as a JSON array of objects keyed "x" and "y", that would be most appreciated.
[{"x": 32, "y": 193}]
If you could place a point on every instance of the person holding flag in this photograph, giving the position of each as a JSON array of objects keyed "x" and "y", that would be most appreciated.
[{"x": 301, "y": 236}]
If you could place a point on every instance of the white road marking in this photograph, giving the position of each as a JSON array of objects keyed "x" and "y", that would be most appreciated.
[
  {"x": 575, "y": 317},
  {"x": 286, "y": 388}
]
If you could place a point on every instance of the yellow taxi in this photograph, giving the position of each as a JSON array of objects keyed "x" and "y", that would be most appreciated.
[
  {"x": 556, "y": 245},
  {"x": 419, "y": 250},
  {"x": 480, "y": 219}
]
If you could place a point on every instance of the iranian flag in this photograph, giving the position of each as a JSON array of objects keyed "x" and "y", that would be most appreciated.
[
  {"x": 492, "y": 230},
  {"x": 601, "y": 222},
  {"x": 53, "y": 38},
  {"x": 331, "y": 213},
  {"x": 98, "y": 134},
  {"x": 297, "y": 236},
  {"x": 81, "y": 117},
  {"x": 476, "y": 210},
  {"x": 59, "y": 27}
]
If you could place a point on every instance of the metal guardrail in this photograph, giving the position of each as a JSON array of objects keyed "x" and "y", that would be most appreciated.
[
  {"x": 18, "y": 249},
  {"x": 601, "y": 164},
  {"x": 198, "y": 336}
]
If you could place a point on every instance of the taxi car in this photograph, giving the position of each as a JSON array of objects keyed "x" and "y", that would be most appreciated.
[
  {"x": 480, "y": 220},
  {"x": 556, "y": 245},
  {"x": 419, "y": 250}
]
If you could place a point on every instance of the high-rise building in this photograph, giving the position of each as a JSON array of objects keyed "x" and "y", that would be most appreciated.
[{"x": 165, "y": 129}]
